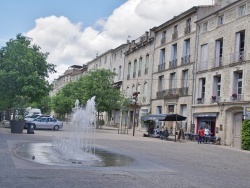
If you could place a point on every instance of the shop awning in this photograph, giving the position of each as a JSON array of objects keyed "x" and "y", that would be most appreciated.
[
  {"x": 173, "y": 117},
  {"x": 153, "y": 117},
  {"x": 207, "y": 114}
]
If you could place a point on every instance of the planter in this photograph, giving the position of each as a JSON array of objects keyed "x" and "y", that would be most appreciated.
[{"x": 17, "y": 126}]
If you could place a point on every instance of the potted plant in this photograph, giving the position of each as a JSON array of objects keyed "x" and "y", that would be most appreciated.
[
  {"x": 214, "y": 97},
  {"x": 17, "y": 123},
  {"x": 234, "y": 95}
]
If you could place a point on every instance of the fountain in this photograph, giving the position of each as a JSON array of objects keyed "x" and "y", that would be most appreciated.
[
  {"x": 82, "y": 139},
  {"x": 79, "y": 149}
]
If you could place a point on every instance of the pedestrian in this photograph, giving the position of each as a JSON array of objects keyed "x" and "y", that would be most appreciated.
[
  {"x": 200, "y": 135},
  {"x": 207, "y": 134}
]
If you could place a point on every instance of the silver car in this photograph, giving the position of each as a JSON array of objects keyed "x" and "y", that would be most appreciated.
[{"x": 47, "y": 123}]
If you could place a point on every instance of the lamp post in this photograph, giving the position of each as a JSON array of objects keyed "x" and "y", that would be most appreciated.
[
  {"x": 175, "y": 124},
  {"x": 135, "y": 98}
]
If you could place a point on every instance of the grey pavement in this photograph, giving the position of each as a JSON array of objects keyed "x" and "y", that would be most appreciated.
[{"x": 157, "y": 163}]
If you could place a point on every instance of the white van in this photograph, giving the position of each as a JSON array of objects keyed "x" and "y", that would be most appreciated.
[{"x": 32, "y": 111}]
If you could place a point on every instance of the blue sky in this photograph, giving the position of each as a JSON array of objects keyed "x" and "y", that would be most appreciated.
[
  {"x": 73, "y": 31},
  {"x": 18, "y": 16}
]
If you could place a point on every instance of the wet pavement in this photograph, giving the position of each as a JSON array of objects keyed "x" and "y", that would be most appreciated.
[{"x": 152, "y": 163}]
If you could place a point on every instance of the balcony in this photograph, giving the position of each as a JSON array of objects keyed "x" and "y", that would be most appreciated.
[
  {"x": 139, "y": 73},
  {"x": 172, "y": 93},
  {"x": 161, "y": 67},
  {"x": 134, "y": 74},
  {"x": 218, "y": 62},
  {"x": 185, "y": 60},
  {"x": 175, "y": 35},
  {"x": 187, "y": 30},
  {"x": 163, "y": 40},
  {"x": 236, "y": 97},
  {"x": 215, "y": 99},
  {"x": 128, "y": 77},
  {"x": 173, "y": 64},
  {"x": 146, "y": 71},
  {"x": 238, "y": 57},
  {"x": 200, "y": 100}
]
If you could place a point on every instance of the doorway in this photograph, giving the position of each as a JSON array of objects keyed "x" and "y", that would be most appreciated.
[
  {"x": 207, "y": 122},
  {"x": 237, "y": 125}
]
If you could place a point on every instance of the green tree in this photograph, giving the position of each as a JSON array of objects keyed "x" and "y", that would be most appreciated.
[
  {"x": 23, "y": 72},
  {"x": 245, "y": 135}
]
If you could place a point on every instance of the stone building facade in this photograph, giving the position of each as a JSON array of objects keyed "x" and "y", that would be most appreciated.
[{"x": 222, "y": 71}]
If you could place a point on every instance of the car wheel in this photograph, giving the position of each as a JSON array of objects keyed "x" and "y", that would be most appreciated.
[{"x": 56, "y": 127}]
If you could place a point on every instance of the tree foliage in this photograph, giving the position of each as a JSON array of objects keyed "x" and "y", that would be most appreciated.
[
  {"x": 245, "y": 135},
  {"x": 23, "y": 72},
  {"x": 97, "y": 82}
]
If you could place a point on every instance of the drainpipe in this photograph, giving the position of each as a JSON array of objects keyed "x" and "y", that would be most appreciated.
[
  {"x": 194, "y": 72},
  {"x": 151, "y": 88}
]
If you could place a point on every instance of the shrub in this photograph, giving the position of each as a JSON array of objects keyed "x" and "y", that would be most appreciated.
[{"x": 245, "y": 135}]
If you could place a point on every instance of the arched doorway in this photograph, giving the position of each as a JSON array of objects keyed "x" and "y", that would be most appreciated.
[{"x": 237, "y": 125}]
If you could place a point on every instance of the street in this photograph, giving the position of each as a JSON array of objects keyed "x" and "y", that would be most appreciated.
[{"x": 157, "y": 163}]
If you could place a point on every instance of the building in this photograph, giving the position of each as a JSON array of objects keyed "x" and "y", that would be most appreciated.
[{"x": 221, "y": 75}]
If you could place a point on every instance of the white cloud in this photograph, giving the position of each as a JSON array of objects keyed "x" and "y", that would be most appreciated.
[{"x": 69, "y": 43}]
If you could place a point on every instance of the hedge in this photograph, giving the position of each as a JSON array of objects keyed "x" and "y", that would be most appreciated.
[{"x": 245, "y": 135}]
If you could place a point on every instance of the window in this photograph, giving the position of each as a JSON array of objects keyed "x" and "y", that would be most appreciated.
[
  {"x": 140, "y": 66},
  {"x": 163, "y": 37},
  {"x": 188, "y": 26},
  {"x": 115, "y": 57},
  {"x": 144, "y": 92},
  {"x": 162, "y": 56},
  {"x": 220, "y": 20},
  {"x": 120, "y": 72},
  {"x": 203, "y": 63},
  {"x": 175, "y": 32},
  {"x": 159, "y": 110},
  {"x": 218, "y": 52},
  {"x": 242, "y": 10},
  {"x": 186, "y": 52},
  {"x": 185, "y": 78},
  {"x": 114, "y": 70},
  {"x": 173, "y": 62},
  {"x": 238, "y": 76},
  {"x": 239, "y": 54},
  {"x": 121, "y": 54},
  {"x": 161, "y": 83},
  {"x": 105, "y": 59},
  {"x": 135, "y": 68},
  {"x": 175, "y": 28},
  {"x": 173, "y": 80},
  {"x": 205, "y": 26},
  {"x": 100, "y": 62},
  {"x": 217, "y": 86},
  {"x": 202, "y": 88},
  {"x": 129, "y": 70},
  {"x": 170, "y": 108},
  {"x": 146, "y": 64}
]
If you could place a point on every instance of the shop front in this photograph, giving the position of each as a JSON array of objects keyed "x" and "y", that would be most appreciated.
[{"x": 206, "y": 120}]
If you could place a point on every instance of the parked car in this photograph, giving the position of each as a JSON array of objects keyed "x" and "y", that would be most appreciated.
[
  {"x": 29, "y": 119},
  {"x": 47, "y": 123}
]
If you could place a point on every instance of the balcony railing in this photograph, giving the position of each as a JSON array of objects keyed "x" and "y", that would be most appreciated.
[
  {"x": 218, "y": 62},
  {"x": 185, "y": 60},
  {"x": 200, "y": 100},
  {"x": 187, "y": 30},
  {"x": 173, "y": 64},
  {"x": 215, "y": 99},
  {"x": 128, "y": 77},
  {"x": 175, "y": 35},
  {"x": 163, "y": 40},
  {"x": 161, "y": 67},
  {"x": 172, "y": 93},
  {"x": 146, "y": 71},
  {"x": 238, "y": 57},
  {"x": 134, "y": 74},
  {"x": 139, "y": 73},
  {"x": 237, "y": 98}
]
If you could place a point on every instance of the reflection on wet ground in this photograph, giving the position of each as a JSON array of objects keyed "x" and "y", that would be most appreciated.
[{"x": 43, "y": 153}]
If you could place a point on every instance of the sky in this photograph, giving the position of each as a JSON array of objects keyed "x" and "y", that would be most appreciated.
[{"x": 74, "y": 31}]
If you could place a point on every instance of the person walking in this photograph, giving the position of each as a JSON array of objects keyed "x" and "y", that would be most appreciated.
[
  {"x": 201, "y": 135},
  {"x": 207, "y": 134}
]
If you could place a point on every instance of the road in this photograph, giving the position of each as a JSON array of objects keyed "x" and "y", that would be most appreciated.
[{"x": 157, "y": 163}]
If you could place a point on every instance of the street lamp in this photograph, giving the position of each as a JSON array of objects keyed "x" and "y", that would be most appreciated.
[
  {"x": 175, "y": 124},
  {"x": 135, "y": 98}
]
